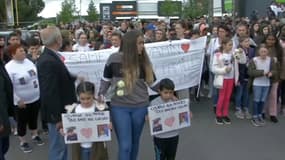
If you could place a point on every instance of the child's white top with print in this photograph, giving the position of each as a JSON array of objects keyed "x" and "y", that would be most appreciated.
[
  {"x": 261, "y": 64},
  {"x": 228, "y": 59},
  {"x": 80, "y": 109}
]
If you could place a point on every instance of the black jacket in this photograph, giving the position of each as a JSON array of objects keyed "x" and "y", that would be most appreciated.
[
  {"x": 57, "y": 87},
  {"x": 6, "y": 100}
]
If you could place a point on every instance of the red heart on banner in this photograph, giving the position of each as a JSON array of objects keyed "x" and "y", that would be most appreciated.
[
  {"x": 86, "y": 132},
  {"x": 169, "y": 121},
  {"x": 185, "y": 47}
]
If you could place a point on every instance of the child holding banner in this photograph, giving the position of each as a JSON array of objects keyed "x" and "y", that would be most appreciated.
[
  {"x": 165, "y": 144},
  {"x": 87, "y": 150}
]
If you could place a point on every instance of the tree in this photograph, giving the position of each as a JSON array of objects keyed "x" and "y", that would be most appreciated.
[
  {"x": 27, "y": 10},
  {"x": 169, "y": 8},
  {"x": 92, "y": 12},
  {"x": 195, "y": 8},
  {"x": 67, "y": 12}
]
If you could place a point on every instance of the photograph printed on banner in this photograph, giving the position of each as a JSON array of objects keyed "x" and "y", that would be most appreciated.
[
  {"x": 86, "y": 127},
  {"x": 169, "y": 116}
]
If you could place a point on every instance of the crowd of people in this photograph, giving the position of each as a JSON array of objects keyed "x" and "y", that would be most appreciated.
[{"x": 245, "y": 59}]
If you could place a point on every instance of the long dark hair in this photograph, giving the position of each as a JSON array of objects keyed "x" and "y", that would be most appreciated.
[
  {"x": 277, "y": 46},
  {"x": 133, "y": 62}
]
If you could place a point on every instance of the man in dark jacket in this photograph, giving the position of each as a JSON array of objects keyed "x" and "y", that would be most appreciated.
[
  {"x": 6, "y": 107},
  {"x": 57, "y": 90}
]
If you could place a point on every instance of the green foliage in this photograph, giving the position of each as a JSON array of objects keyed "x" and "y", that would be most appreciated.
[
  {"x": 92, "y": 12},
  {"x": 27, "y": 10},
  {"x": 169, "y": 8},
  {"x": 68, "y": 10},
  {"x": 195, "y": 8},
  {"x": 2, "y": 11}
]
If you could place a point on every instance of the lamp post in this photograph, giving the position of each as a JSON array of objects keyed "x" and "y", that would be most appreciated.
[{"x": 17, "y": 16}]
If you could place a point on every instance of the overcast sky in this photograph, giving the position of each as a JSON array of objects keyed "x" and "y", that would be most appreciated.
[{"x": 52, "y": 7}]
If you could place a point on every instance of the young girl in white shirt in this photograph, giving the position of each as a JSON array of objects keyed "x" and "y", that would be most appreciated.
[
  {"x": 224, "y": 64},
  {"x": 88, "y": 150}
]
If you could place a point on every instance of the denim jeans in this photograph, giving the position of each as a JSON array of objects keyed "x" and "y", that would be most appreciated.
[
  {"x": 215, "y": 96},
  {"x": 4, "y": 146},
  {"x": 128, "y": 123},
  {"x": 85, "y": 153},
  {"x": 260, "y": 94},
  {"x": 242, "y": 96},
  {"x": 57, "y": 147}
]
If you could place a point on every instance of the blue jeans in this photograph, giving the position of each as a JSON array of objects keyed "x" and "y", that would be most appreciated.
[
  {"x": 242, "y": 97},
  {"x": 85, "y": 153},
  {"x": 128, "y": 123},
  {"x": 57, "y": 147},
  {"x": 215, "y": 96},
  {"x": 260, "y": 94},
  {"x": 4, "y": 146}
]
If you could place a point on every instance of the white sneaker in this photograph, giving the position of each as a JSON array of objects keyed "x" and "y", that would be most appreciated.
[{"x": 239, "y": 114}]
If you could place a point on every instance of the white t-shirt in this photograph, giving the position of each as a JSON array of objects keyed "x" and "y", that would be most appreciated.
[
  {"x": 24, "y": 77},
  {"x": 261, "y": 64},
  {"x": 228, "y": 60},
  {"x": 79, "y": 48},
  {"x": 80, "y": 109}
]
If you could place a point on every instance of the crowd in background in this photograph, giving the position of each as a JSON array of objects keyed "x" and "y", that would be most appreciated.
[{"x": 249, "y": 54}]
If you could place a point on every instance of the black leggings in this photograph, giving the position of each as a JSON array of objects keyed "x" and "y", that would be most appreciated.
[
  {"x": 27, "y": 116},
  {"x": 165, "y": 148}
]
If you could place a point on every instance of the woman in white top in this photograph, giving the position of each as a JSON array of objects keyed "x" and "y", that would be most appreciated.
[
  {"x": 82, "y": 45},
  {"x": 23, "y": 74}
]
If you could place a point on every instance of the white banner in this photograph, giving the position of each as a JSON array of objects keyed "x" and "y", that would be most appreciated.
[
  {"x": 169, "y": 116},
  {"x": 86, "y": 127},
  {"x": 180, "y": 61}
]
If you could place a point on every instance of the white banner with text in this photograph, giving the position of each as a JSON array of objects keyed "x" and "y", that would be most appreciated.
[
  {"x": 169, "y": 116},
  {"x": 86, "y": 127},
  {"x": 180, "y": 61}
]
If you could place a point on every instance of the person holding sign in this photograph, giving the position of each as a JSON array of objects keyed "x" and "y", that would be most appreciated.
[
  {"x": 87, "y": 150},
  {"x": 165, "y": 144},
  {"x": 128, "y": 71}
]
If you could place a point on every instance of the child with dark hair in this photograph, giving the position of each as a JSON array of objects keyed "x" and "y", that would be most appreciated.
[
  {"x": 88, "y": 150},
  {"x": 33, "y": 49},
  {"x": 165, "y": 144}
]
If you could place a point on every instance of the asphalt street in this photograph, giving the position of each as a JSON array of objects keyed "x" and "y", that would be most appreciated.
[{"x": 204, "y": 140}]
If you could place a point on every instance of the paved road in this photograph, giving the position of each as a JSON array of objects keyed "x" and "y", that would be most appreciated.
[{"x": 202, "y": 141}]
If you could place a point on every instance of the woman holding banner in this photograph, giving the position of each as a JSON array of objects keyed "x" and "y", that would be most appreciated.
[{"x": 128, "y": 72}]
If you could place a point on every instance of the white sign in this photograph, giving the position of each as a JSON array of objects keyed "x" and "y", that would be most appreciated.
[
  {"x": 180, "y": 60},
  {"x": 86, "y": 127},
  {"x": 217, "y": 8},
  {"x": 169, "y": 116}
]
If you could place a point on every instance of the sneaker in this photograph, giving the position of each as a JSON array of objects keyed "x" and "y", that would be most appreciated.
[
  {"x": 15, "y": 132},
  {"x": 239, "y": 114},
  {"x": 26, "y": 148},
  {"x": 247, "y": 115},
  {"x": 261, "y": 121},
  {"x": 219, "y": 121},
  {"x": 255, "y": 122},
  {"x": 38, "y": 141},
  {"x": 273, "y": 119},
  {"x": 226, "y": 120}
]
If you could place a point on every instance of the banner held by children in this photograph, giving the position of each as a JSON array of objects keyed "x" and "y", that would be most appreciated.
[
  {"x": 86, "y": 127},
  {"x": 169, "y": 116}
]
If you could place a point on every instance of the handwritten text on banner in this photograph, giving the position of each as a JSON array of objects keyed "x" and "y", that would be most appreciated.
[{"x": 180, "y": 60}]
